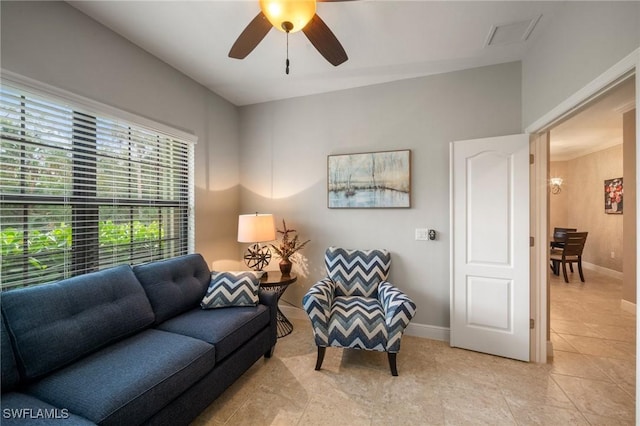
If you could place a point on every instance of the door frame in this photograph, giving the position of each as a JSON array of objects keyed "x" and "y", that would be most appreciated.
[{"x": 540, "y": 343}]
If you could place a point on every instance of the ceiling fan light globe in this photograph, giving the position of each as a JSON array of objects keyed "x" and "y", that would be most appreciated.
[{"x": 297, "y": 12}]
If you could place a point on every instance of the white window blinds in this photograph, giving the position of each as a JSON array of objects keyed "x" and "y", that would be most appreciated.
[{"x": 80, "y": 191}]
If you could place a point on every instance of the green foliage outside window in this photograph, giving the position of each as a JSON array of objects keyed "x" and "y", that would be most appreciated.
[
  {"x": 46, "y": 249},
  {"x": 59, "y": 238}
]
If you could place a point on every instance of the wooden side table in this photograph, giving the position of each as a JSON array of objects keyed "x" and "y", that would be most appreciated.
[{"x": 275, "y": 281}]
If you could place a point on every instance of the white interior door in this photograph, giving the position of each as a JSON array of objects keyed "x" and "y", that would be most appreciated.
[{"x": 490, "y": 245}]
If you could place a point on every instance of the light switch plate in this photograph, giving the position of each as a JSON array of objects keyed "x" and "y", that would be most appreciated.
[{"x": 422, "y": 234}]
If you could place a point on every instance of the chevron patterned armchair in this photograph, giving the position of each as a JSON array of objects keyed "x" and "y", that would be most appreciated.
[{"x": 355, "y": 306}]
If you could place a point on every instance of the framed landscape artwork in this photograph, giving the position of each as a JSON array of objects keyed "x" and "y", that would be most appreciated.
[
  {"x": 613, "y": 196},
  {"x": 369, "y": 180}
]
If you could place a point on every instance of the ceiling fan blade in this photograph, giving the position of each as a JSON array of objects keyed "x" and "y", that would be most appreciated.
[
  {"x": 325, "y": 41},
  {"x": 250, "y": 37}
]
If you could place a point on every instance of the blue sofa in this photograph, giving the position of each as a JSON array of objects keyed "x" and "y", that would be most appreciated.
[{"x": 126, "y": 346}]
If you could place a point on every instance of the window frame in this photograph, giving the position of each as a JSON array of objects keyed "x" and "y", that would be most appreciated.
[{"x": 90, "y": 111}]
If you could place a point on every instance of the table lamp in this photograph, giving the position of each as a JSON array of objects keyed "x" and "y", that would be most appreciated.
[{"x": 256, "y": 229}]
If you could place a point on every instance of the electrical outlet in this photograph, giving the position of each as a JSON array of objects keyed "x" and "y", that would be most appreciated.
[
  {"x": 422, "y": 234},
  {"x": 613, "y": 254}
]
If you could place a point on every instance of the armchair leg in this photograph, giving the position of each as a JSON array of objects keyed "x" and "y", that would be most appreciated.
[
  {"x": 580, "y": 270},
  {"x": 321, "y": 350},
  {"x": 392, "y": 363},
  {"x": 564, "y": 272}
]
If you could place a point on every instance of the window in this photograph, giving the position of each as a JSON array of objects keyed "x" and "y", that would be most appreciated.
[{"x": 81, "y": 191}]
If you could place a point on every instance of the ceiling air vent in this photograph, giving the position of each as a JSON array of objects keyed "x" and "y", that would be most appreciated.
[{"x": 516, "y": 32}]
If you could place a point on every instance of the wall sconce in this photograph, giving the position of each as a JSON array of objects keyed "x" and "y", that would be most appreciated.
[
  {"x": 556, "y": 185},
  {"x": 256, "y": 229}
]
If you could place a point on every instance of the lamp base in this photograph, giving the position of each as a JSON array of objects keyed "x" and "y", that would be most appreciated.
[{"x": 257, "y": 257}]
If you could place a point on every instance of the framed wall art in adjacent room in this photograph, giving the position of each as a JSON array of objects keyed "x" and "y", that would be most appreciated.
[
  {"x": 369, "y": 180},
  {"x": 613, "y": 196}
]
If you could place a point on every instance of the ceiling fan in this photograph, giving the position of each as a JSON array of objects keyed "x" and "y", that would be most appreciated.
[{"x": 290, "y": 16}]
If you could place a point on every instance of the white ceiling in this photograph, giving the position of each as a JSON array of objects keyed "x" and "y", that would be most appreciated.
[{"x": 385, "y": 41}]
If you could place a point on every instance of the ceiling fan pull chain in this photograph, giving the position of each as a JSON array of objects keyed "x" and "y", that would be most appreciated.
[{"x": 287, "y": 63}]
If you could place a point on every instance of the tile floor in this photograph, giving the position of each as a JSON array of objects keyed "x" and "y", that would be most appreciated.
[{"x": 590, "y": 381}]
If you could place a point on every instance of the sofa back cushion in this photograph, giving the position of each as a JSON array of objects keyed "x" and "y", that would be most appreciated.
[
  {"x": 174, "y": 285},
  {"x": 357, "y": 272},
  {"x": 54, "y": 324},
  {"x": 10, "y": 376}
]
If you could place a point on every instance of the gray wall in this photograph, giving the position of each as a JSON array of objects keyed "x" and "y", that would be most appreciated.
[
  {"x": 55, "y": 44},
  {"x": 277, "y": 151},
  {"x": 284, "y": 160},
  {"x": 584, "y": 40}
]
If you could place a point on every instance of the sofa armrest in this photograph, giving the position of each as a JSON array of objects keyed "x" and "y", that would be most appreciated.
[
  {"x": 399, "y": 309},
  {"x": 270, "y": 298},
  {"x": 317, "y": 303}
]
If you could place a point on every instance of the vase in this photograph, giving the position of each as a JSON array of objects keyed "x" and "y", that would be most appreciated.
[{"x": 285, "y": 266}]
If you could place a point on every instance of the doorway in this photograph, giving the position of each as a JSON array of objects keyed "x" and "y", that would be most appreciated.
[
  {"x": 586, "y": 150},
  {"x": 591, "y": 329},
  {"x": 540, "y": 191}
]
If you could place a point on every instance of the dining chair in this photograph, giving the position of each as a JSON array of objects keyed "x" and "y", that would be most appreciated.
[
  {"x": 556, "y": 244},
  {"x": 570, "y": 253},
  {"x": 559, "y": 234}
]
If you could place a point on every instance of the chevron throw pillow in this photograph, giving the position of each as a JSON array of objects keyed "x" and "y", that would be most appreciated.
[{"x": 232, "y": 289}]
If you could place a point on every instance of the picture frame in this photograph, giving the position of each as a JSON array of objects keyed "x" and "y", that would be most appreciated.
[
  {"x": 613, "y": 196},
  {"x": 368, "y": 180}
]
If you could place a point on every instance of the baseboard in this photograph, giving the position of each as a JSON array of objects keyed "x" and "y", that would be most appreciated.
[
  {"x": 432, "y": 332},
  {"x": 627, "y": 306},
  {"x": 419, "y": 330},
  {"x": 604, "y": 271}
]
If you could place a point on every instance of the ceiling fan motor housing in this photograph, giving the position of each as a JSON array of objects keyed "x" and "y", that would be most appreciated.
[{"x": 290, "y": 16}]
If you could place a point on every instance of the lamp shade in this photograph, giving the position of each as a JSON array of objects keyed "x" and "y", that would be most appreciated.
[
  {"x": 296, "y": 12},
  {"x": 256, "y": 228}
]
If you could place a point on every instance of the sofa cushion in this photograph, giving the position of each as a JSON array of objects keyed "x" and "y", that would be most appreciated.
[
  {"x": 174, "y": 285},
  {"x": 232, "y": 289},
  {"x": 126, "y": 383},
  {"x": 10, "y": 375},
  {"x": 19, "y": 409},
  {"x": 357, "y": 322},
  {"x": 226, "y": 329},
  {"x": 55, "y": 324}
]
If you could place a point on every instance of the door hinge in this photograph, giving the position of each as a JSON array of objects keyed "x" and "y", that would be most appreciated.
[
  {"x": 532, "y": 322},
  {"x": 531, "y": 241},
  {"x": 531, "y": 158}
]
